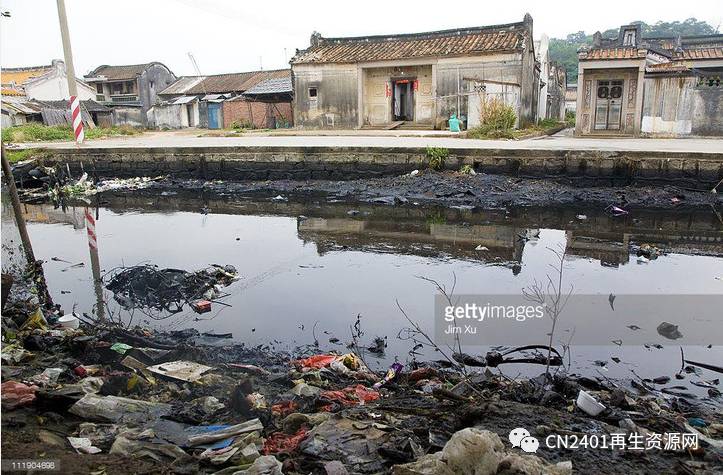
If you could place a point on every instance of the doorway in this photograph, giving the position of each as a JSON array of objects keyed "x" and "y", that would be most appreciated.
[
  {"x": 608, "y": 105},
  {"x": 190, "y": 115},
  {"x": 403, "y": 99}
]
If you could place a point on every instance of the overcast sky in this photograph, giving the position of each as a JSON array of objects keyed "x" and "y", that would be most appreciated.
[{"x": 234, "y": 35}]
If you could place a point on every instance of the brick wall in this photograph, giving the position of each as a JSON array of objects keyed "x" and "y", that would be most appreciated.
[{"x": 260, "y": 114}]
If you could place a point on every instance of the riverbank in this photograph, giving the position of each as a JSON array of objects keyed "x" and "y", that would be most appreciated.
[{"x": 304, "y": 410}]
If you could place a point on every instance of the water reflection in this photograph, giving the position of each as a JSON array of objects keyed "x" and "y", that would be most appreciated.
[{"x": 317, "y": 262}]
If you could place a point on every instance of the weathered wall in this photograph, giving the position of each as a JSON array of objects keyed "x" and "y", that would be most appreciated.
[
  {"x": 587, "y": 97},
  {"x": 676, "y": 106},
  {"x": 132, "y": 116},
  {"x": 336, "y": 104},
  {"x": 707, "y": 111},
  {"x": 152, "y": 81},
  {"x": 167, "y": 116},
  {"x": 530, "y": 88},
  {"x": 55, "y": 88},
  {"x": 260, "y": 114},
  {"x": 377, "y": 93},
  {"x": 262, "y": 163},
  {"x": 500, "y": 76}
]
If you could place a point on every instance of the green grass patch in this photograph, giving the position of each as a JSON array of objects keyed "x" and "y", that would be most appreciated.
[
  {"x": 15, "y": 156},
  {"x": 35, "y": 132},
  {"x": 437, "y": 156}
]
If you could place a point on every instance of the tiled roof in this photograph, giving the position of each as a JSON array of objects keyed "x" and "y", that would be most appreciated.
[
  {"x": 7, "y": 91},
  {"x": 671, "y": 67},
  {"x": 220, "y": 83},
  {"x": 614, "y": 53},
  {"x": 272, "y": 86},
  {"x": 701, "y": 53},
  {"x": 118, "y": 73},
  {"x": 19, "y": 76},
  {"x": 459, "y": 42},
  {"x": 89, "y": 105}
]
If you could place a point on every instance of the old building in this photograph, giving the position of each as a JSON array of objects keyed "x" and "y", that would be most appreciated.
[
  {"x": 130, "y": 90},
  {"x": 633, "y": 86},
  {"x": 571, "y": 98},
  {"x": 44, "y": 83},
  {"x": 415, "y": 79},
  {"x": 200, "y": 101},
  {"x": 267, "y": 105},
  {"x": 556, "y": 90}
]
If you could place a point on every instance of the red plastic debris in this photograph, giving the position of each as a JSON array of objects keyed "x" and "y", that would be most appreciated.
[
  {"x": 80, "y": 371},
  {"x": 349, "y": 396},
  {"x": 201, "y": 306},
  {"x": 279, "y": 442},
  {"x": 284, "y": 408},
  {"x": 15, "y": 394},
  {"x": 315, "y": 362}
]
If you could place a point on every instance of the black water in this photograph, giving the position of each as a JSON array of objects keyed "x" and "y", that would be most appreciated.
[{"x": 308, "y": 269}]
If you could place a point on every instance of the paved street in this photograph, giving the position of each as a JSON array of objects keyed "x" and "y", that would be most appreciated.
[{"x": 389, "y": 138}]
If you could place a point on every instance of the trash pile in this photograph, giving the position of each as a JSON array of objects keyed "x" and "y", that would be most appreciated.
[
  {"x": 167, "y": 398},
  {"x": 159, "y": 292}
]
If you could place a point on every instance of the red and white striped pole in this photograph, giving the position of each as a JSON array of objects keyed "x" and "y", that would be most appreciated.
[
  {"x": 77, "y": 119},
  {"x": 90, "y": 227},
  {"x": 70, "y": 72}
]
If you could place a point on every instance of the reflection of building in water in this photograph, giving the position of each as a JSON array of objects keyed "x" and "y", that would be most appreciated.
[
  {"x": 504, "y": 243},
  {"x": 46, "y": 213},
  {"x": 610, "y": 253}
]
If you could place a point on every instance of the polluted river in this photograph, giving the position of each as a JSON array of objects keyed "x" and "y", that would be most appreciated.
[
  {"x": 307, "y": 269},
  {"x": 318, "y": 275}
]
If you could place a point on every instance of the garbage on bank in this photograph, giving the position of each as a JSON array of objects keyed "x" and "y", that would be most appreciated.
[{"x": 167, "y": 398}]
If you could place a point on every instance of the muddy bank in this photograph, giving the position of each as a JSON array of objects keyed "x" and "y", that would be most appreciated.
[
  {"x": 452, "y": 189},
  {"x": 310, "y": 412}
]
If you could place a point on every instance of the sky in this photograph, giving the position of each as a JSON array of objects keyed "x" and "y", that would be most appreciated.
[{"x": 235, "y": 35}]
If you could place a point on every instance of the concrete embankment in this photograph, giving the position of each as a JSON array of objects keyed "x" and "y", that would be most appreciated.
[{"x": 340, "y": 163}]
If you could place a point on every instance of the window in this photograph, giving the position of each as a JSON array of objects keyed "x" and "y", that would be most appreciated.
[
  {"x": 99, "y": 88},
  {"x": 629, "y": 38},
  {"x": 312, "y": 92}
]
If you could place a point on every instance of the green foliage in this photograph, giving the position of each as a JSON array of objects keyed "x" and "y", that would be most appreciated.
[
  {"x": 15, "y": 156},
  {"x": 497, "y": 120},
  {"x": 437, "y": 156},
  {"x": 545, "y": 124},
  {"x": 564, "y": 51},
  {"x": 36, "y": 132},
  {"x": 467, "y": 170},
  {"x": 242, "y": 124},
  {"x": 570, "y": 119}
]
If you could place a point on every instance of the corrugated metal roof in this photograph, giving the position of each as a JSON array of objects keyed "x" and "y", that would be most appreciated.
[
  {"x": 182, "y": 85},
  {"x": 184, "y": 100},
  {"x": 272, "y": 86},
  {"x": 459, "y": 42}
]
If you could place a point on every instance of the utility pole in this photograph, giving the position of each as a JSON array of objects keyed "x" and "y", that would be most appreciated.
[
  {"x": 79, "y": 135},
  {"x": 77, "y": 116},
  {"x": 67, "y": 51}
]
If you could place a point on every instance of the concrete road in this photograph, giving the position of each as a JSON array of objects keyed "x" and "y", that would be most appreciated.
[{"x": 389, "y": 139}]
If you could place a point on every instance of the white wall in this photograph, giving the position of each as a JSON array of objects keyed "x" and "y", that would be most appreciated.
[
  {"x": 55, "y": 88},
  {"x": 542, "y": 54}
]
